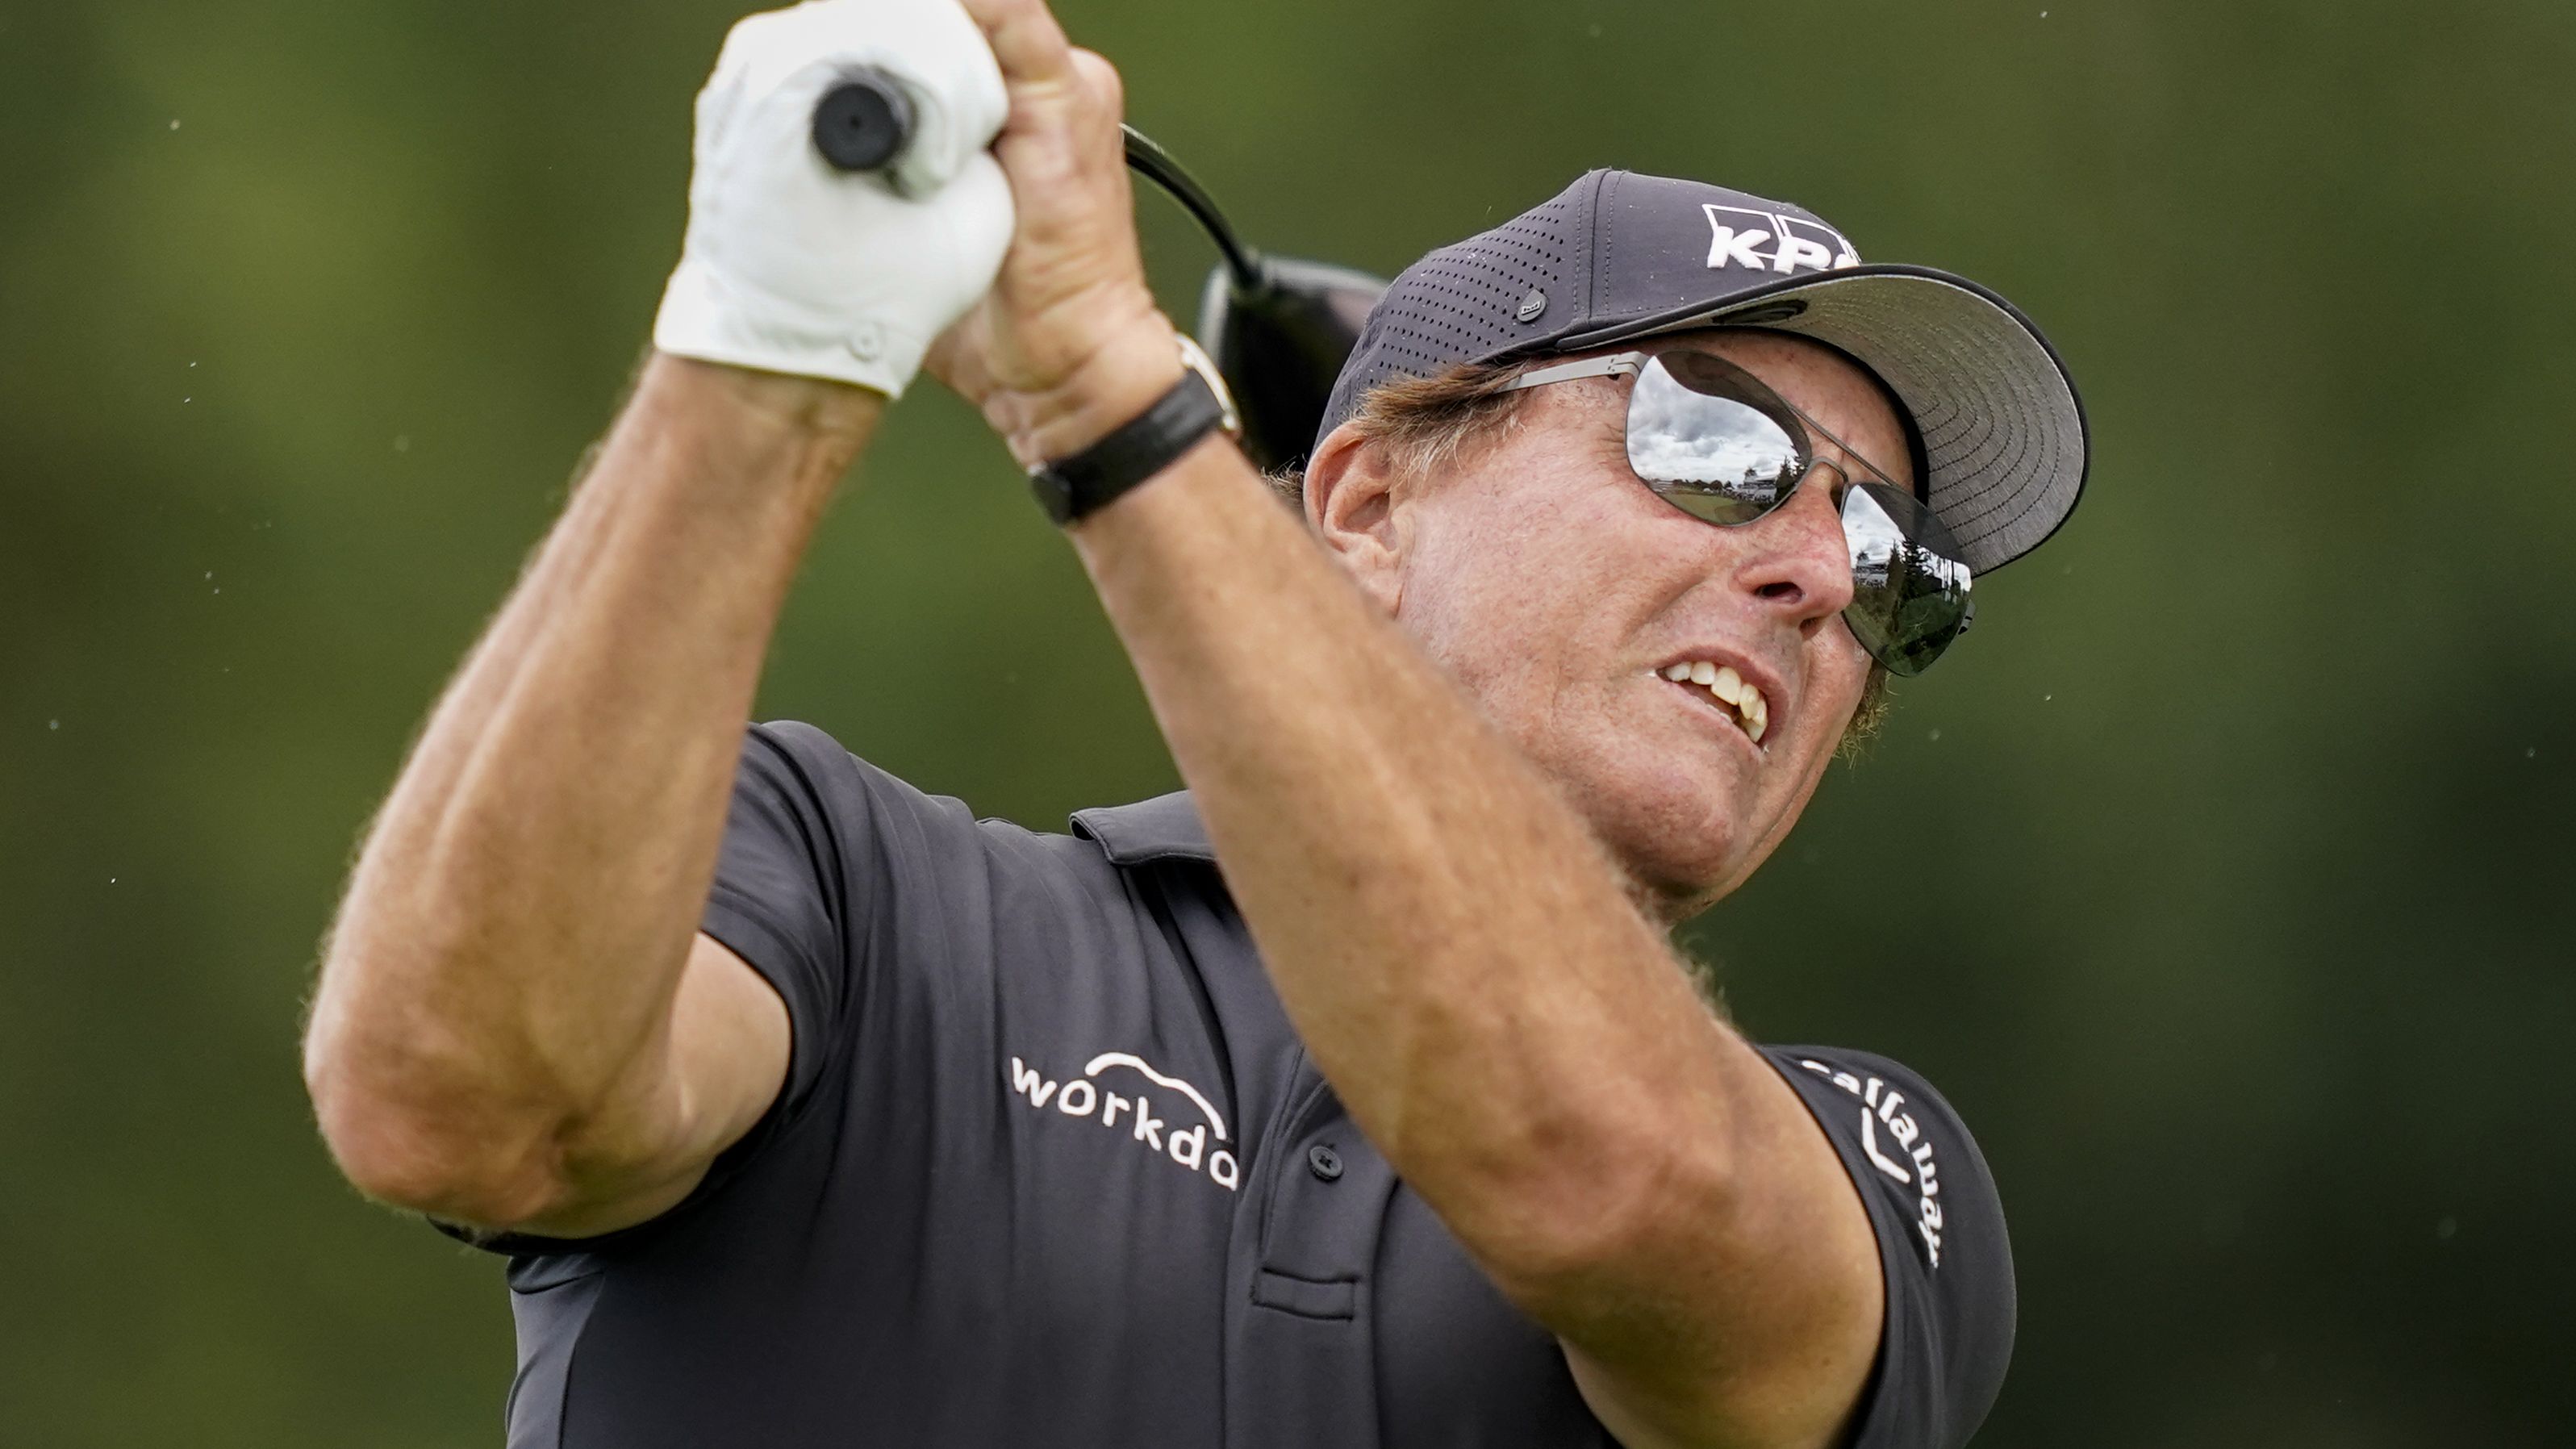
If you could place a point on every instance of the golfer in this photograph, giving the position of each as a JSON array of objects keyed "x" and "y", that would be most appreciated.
[{"x": 1355, "y": 1097}]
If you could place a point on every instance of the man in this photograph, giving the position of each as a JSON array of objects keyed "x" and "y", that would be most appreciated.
[{"x": 813, "y": 1111}]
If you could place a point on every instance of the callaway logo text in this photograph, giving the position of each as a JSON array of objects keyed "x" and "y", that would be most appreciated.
[{"x": 1883, "y": 1126}]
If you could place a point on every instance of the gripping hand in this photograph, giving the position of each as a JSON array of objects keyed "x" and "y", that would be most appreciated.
[{"x": 790, "y": 266}]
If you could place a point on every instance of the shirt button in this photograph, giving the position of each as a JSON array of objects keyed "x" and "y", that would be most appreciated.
[{"x": 1327, "y": 1163}]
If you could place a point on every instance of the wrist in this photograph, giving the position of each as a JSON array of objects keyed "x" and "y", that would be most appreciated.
[
  {"x": 837, "y": 414},
  {"x": 1127, "y": 374}
]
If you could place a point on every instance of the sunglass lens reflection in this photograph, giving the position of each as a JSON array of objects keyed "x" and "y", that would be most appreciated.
[
  {"x": 1697, "y": 436},
  {"x": 1909, "y": 587}
]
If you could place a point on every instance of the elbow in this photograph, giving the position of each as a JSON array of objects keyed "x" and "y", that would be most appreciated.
[
  {"x": 449, "y": 1167},
  {"x": 404, "y": 1139}
]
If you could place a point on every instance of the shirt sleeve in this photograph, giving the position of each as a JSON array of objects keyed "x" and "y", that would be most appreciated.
[
  {"x": 782, "y": 899},
  {"x": 1942, "y": 1248},
  {"x": 820, "y": 848},
  {"x": 821, "y": 851}
]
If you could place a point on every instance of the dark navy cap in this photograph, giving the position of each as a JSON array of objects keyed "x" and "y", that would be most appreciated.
[{"x": 1618, "y": 256}]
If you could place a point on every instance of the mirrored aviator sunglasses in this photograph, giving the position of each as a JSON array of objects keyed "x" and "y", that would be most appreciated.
[{"x": 1709, "y": 438}]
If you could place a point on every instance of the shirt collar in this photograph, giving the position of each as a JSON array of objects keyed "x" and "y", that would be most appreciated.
[{"x": 1166, "y": 827}]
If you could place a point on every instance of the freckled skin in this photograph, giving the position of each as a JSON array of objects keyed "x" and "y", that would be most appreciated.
[{"x": 1544, "y": 576}]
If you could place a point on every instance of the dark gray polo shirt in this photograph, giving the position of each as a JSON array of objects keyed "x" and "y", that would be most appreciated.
[{"x": 1051, "y": 1168}]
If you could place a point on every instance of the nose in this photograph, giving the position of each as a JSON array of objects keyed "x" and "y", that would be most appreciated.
[{"x": 1799, "y": 565}]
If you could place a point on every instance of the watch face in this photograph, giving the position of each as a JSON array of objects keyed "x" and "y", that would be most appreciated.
[{"x": 1195, "y": 358}]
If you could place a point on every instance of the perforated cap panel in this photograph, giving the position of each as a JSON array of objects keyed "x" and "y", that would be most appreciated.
[{"x": 1466, "y": 302}]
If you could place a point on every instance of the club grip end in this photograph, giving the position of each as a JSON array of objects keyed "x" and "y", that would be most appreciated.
[{"x": 864, "y": 122}]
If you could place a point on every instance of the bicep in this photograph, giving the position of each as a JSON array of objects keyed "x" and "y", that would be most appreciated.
[
  {"x": 729, "y": 1049},
  {"x": 1942, "y": 1325},
  {"x": 1763, "y": 1317},
  {"x": 722, "y": 1064}
]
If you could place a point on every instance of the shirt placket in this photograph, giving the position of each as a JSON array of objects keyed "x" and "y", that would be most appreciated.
[{"x": 1301, "y": 1368}]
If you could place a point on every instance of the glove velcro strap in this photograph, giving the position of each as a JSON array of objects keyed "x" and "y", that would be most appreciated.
[{"x": 704, "y": 318}]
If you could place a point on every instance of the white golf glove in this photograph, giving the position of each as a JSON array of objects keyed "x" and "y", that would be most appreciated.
[{"x": 791, "y": 266}]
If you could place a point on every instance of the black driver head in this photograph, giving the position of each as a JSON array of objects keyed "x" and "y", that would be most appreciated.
[{"x": 1281, "y": 343}]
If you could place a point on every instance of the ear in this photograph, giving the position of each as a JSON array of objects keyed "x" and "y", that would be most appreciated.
[{"x": 1352, "y": 504}]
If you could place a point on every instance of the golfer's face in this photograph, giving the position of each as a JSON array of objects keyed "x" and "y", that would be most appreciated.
[{"x": 1546, "y": 576}]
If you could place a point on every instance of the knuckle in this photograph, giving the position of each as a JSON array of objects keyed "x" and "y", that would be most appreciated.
[{"x": 1102, "y": 78}]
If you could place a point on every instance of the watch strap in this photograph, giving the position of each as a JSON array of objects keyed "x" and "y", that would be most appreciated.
[{"x": 1070, "y": 488}]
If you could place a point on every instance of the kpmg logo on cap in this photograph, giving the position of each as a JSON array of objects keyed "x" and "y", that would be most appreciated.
[{"x": 1739, "y": 235}]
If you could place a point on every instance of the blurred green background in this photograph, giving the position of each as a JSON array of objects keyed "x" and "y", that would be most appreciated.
[{"x": 2219, "y": 879}]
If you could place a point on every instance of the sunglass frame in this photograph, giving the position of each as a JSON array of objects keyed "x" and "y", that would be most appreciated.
[{"x": 1894, "y": 656}]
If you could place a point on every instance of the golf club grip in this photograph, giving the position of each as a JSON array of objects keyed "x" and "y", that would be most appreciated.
[{"x": 864, "y": 122}]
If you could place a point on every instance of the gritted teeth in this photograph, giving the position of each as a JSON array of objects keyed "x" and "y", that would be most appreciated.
[{"x": 1740, "y": 695}]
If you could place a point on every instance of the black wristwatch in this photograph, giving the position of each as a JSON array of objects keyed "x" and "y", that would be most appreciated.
[{"x": 1197, "y": 405}]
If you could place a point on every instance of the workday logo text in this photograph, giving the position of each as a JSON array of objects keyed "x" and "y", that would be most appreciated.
[{"x": 1193, "y": 1136}]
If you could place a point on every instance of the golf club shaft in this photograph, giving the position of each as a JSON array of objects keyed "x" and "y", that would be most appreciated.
[
  {"x": 865, "y": 122},
  {"x": 1156, "y": 165}
]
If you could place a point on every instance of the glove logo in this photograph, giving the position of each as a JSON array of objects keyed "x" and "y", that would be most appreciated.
[{"x": 1736, "y": 235}]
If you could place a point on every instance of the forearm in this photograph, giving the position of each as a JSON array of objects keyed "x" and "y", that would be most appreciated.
[
  {"x": 516, "y": 927},
  {"x": 1458, "y": 953}
]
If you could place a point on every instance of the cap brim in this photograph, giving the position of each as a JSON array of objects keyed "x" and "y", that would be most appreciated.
[{"x": 2004, "y": 435}]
